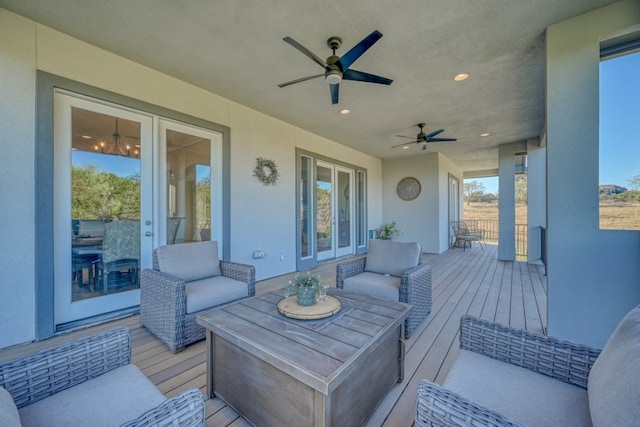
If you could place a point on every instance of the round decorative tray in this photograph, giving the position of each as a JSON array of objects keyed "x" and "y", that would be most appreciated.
[{"x": 290, "y": 308}]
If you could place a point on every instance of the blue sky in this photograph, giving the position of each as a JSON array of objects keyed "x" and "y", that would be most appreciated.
[
  {"x": 620, "y": 119},
  {"x": 121, "y": 166},
  {"x": 619, "y": 123}
]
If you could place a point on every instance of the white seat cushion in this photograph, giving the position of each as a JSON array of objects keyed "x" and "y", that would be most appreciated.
[
  {"x": 108, "y": 400},
  {"x": 207, "y": 293},
  {"x": 614, "y": 380},
  {"x": 518, "y": 393},
  {"x": 374, "y": 284}
]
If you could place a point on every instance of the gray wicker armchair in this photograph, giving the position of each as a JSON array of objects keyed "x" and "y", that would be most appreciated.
[
  {"x": 391, "y": 270},
  {"x": 189, "y": 279},
  {"x": 510, "y": 377},
  {"x": 90, "y": 381}
]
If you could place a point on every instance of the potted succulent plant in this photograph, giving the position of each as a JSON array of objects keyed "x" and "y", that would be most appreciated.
[{"x": 306, "y": 287}]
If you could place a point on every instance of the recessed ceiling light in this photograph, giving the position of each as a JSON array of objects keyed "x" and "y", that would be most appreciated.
[
  {"x": 485, "y": 134},
  {"x": 460, "y": 77},
  {"x": 406, "y": 147},
  {"x": 86, "y": 136},
  {"x": 344, "y": 111}
]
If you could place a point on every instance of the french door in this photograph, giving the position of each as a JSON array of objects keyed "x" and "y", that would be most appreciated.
[
  {"x": 334, "y": 211},
  {"x": 454, "y": 205},
  {"x": 124, "y": 183},
  {"x": 103, "y": 198}
]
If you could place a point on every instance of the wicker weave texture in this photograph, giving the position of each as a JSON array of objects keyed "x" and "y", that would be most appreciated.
[
  {"x": 184, "y": 410},
  {"x": 545, "y": 355},
  {"x": 436, "y": 406},
  {"x": 415, "y": 289},
  {"x": 163, "y": 303},
  {"x": 35, "y": 377}
]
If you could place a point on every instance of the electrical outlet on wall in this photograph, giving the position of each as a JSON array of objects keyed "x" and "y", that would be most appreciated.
[{"x": 258, "y": 254}]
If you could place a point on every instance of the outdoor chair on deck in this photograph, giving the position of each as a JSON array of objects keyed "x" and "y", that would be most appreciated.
[
  {"x": 465, "y": 234},
  {"x": 393, "y": 271},
  {"x": 188, "y": 279},
  {"x": 504, "y": 376},
  {"x": 90, "y": 382}
]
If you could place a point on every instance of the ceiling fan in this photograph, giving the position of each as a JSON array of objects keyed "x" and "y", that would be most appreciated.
[
  {"x": 424, "y": 138},
  {"x": 336, "y": 68}
]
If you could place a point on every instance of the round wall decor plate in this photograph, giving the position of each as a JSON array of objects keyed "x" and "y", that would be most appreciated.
[{"x": 409, "y": 188}]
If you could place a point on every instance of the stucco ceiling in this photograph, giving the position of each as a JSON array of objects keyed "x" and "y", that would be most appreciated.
[{"x": 234, "y": 48}]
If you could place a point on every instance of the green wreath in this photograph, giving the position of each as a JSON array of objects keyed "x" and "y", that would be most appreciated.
[{"x": 269, "y": 178}]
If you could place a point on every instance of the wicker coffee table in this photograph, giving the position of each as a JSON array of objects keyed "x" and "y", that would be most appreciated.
[{"x": 281, "y": 371}]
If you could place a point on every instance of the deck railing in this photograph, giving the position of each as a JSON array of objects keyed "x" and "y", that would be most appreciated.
[{"x": 492, "y": 234}]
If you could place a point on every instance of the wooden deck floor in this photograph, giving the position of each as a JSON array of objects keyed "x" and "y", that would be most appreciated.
[{"x": 471, "y": 281}]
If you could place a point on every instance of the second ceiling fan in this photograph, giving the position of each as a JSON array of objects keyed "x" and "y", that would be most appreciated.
[
  {"x": 336, "y": 68},
  {"x": 424, "y": 138}
]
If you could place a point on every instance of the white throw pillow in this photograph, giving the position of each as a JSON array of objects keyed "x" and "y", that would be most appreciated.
[
  {"x": 9, "y": 416},
  {"x": 614, "y": 380},
  {"x": 190, "y": 261}
]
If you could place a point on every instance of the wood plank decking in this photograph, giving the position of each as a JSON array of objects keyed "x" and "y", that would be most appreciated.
[{"x": 471, "y": 281}]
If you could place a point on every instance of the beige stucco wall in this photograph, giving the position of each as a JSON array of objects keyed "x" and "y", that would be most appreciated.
[
  {"x": 423, "y": 220},
  {"x": 593, "y": 274},
  {"x": 261, "y": 217}
]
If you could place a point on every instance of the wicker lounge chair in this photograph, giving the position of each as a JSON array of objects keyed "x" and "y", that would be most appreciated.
[
  {"x": 391, "y": 270},
  {"x": 90, "y": 382},
  {"x": 510, "y": 377},
  {"x": 188, "y": 279}
]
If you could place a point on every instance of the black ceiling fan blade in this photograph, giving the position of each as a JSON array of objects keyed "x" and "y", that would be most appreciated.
[
  {"x": 306, "y": 51},
  {"x": 365, "y": 77},
  {"x": 355, "y": 52},
  {"x": 441, "y": 139},
  {"x": 303, "y": 79},
  {"x": 335, "y": 92},
  {"x": 434, "y": 133}
]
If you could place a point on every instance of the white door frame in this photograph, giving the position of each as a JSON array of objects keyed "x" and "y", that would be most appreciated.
[{"x": 65, "y": 309}]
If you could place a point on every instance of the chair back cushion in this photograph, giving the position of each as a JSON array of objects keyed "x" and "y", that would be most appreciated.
[
  {"x": 393, "y": 258},
  {"x": 190, "y": 261},
  {"x": 614, "y": 380}
]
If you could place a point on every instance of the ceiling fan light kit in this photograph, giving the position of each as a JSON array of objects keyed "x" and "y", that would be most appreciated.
[{"x": 337, "y": 68}]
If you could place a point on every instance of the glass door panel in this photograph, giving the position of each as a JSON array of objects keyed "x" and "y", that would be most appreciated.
[
  {"x": 193, "y": 193},
  {"x": 344, "y": 212},
  {"x": 306, "y": 206},
  {"x": 101, "y": 184},
  {"x": 324, "y": 211}
]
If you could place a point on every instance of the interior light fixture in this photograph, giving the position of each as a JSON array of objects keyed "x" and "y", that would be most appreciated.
[
  {"x": 116, "y": 148},
  {"x": 344, "y": 111},
  {"x": 485, "y": 134},
  {"x": 406, "y": 147},
  {"x": 460, "y": 77}
]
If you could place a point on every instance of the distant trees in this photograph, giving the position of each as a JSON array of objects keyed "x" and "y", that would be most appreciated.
[
  {"x": 96, "y": 194},
  {"x": 521, "y": 188},
  {"x": 475, "y": 191}
]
